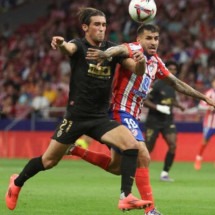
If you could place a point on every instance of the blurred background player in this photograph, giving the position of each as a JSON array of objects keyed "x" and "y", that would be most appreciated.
[
  {"x": 160, "y": 119},
  {"x": 208, "y": 125}
]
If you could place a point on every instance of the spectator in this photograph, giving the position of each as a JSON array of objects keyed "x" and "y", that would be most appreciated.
[
  {"x": 40, "y": 104},
  {"x": 186, "y": 37}
]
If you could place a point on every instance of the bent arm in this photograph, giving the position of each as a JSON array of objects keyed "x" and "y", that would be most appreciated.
[
  {"x": 161, "y": 108},
  {"x": 178, "y": 105},
  {"x": 147, "y": 103},
  {"x": 136, "y": 64}
]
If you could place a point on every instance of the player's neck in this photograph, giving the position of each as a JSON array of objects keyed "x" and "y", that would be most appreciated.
[{"x": 92, "y": 42}]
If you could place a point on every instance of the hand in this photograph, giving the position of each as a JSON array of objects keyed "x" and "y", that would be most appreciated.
[
  {"x": 138, "y": 56},
  {"x": 57, "y": 41},
  {"x": 181, "y": 108},
  {"x": 163, "y": 109},
  {"x": 210, "y": 102},
  {"x": 96, "y": 54}
]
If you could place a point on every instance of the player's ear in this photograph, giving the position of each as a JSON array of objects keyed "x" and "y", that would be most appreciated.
[{"x": 85, "y": 27}]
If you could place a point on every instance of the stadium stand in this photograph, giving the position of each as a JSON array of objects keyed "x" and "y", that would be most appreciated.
[{"x": 27, "y": 61}]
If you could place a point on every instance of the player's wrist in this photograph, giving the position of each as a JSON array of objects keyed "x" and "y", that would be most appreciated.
[
  {"x": 62, "y": 44},
  {"x": 158, "y": 107},
  {"x": 163, "y": 109}
]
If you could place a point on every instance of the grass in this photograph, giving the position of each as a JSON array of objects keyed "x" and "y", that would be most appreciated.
[{"x": 76, "y": 187}]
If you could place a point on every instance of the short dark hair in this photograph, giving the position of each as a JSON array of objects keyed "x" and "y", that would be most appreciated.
[
  {"x": 171, "y": 62},
  {"x": 148, "y": 27},
  {"x": 86, "y": 13}
]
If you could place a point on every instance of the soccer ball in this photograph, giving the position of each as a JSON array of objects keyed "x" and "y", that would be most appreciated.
[{"x": 142, "y": 11}]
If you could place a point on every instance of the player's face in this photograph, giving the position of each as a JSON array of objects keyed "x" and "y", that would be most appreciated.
[
  {"x": 149, "y": 41},
  {"x": 172, "y": 68},
  {"x": 95, "y": 31}
]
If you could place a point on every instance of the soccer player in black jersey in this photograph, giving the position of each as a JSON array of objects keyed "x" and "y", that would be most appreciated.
[
  {"x": 160, "y": 119},
  {"x": 87, "y": 109}
]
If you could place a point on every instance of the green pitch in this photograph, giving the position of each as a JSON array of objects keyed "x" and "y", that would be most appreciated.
[{"x": 78, "y": 188}]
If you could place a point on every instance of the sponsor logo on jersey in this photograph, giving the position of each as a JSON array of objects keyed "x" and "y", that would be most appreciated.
[
  {"x": 102, "y": 72},
  {"x": 139, "y": 93}
]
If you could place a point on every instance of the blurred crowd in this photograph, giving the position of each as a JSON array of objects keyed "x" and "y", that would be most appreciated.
[
  {"x": 6, "y": 5},
  {"x": 34, "y": 77}
]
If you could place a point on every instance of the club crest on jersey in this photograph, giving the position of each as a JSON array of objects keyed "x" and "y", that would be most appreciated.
[
  {"x": 134, "y": 132},
  {"x": 151, "y": 68}
]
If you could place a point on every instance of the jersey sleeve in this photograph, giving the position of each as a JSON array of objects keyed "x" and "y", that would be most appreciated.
[
  {"x": 133, "y": 47},
  {"x": 162, "y": 71},
  {"x": 77, "y": 42}
]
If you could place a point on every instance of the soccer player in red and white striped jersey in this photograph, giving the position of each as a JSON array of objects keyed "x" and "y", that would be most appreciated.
[
  {"x": 208, "y": 125},
  {"x": 128, "y": 94},
  {"x": 130, "y": 90}
]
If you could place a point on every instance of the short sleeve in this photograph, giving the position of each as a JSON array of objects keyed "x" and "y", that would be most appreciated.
[
  {"x": 162, "y": 72},
  {"x": 133, "y": 47}
]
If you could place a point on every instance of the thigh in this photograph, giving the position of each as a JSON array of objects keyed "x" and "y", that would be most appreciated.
[
  {"x": 121, "y": 138},
  {"x": 98, "y": 127},
  {"x": 169, "y": 133},
  {"x": 131, "y": 123},
  {"x": 69, "y": 131}
]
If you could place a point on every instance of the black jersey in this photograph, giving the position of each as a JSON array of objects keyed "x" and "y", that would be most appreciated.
[
  {"x": 90, "y": 87},
  {"x": 162, "y": 94}
]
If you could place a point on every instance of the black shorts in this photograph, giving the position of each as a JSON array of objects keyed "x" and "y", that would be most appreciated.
[
  {"x": 164, "y": 128},
  {"x": 152, "y": 131},
  {"x": 69, "y": 131}
]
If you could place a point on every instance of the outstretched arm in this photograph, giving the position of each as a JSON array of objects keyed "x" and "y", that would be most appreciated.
[
  {"x": 67, "y": 48},
  {"x": 100, "y": 56},
  {"x": 184, "y": 88}
]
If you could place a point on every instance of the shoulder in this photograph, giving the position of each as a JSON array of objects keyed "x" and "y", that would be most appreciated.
[
  {"x": 134, "y": 46},
  {"x": 80, "y": 43},
  {"x": 162, "y": 71},
  {"x": 75, "y": 40}
]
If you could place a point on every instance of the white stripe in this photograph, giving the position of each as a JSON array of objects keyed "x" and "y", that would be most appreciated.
[{"x": 127, "y": 91}]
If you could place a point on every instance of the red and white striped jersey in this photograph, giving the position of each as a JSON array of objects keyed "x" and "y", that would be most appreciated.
[
  {"x": 130, "y": 90},
  {"x": 209, "y": 117}
]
